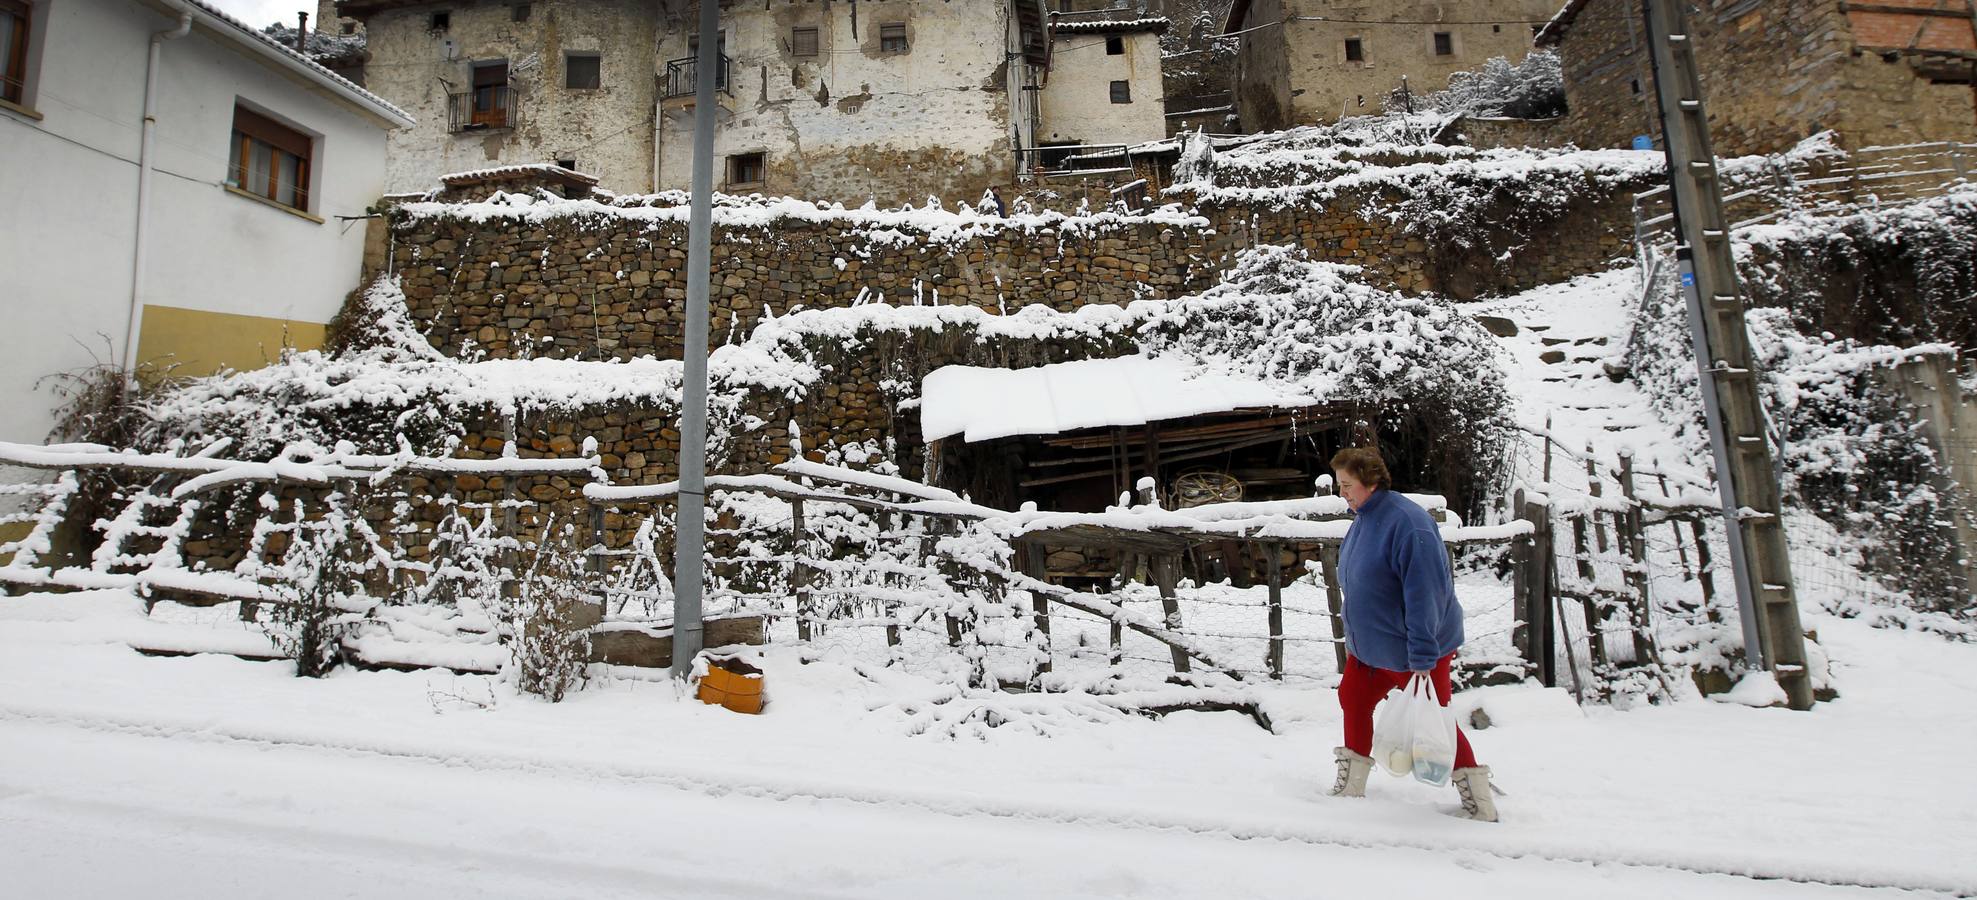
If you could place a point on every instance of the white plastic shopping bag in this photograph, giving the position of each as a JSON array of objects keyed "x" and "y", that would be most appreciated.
[
  {"x": 1415, "y": 734},
  {"x": 1393, "y": 743},
  {"x": 1431, "y": 726}
]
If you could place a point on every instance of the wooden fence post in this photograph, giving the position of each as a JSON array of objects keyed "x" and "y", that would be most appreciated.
[
  {"x": 1328, "y": 561},
  {"x": 1675, "y": 528},
  {"x": 1635, "y": 540},
  {"x": 1543, "y": 599},
  {"x": 799, "y": 573},
  {"x": 1274, "y": 567},
  {"x": 1033, "y": 558},
  {"x": 1597, "y": 489},
  {"x": 890, "y": 607},
  {"x": 1128, "y": 565},
  {"x": 1165, "y": 570},
  {"x": 1520, "y": 584}
]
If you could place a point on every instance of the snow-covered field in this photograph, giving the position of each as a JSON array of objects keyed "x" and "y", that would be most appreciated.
[{"x": 213, "y": 776}]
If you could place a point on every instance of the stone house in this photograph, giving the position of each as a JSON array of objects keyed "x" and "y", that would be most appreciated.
[
  {"x": 1776, "y": 71},
  {"x": 890, "y": 102},
  {"x": 1102, "y": 64},
  {"x": 1305, "y": 62}
]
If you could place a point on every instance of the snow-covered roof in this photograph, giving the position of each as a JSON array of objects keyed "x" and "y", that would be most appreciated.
[
  {"x": 982, "y": 404},
  {"x": 274, "y": 52},
  {"x": 549, "y": 171},
  {"x": 1555, "y": 29},
  {"x": 1152, "y": 24}
]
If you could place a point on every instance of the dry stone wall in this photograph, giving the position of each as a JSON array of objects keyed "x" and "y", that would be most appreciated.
[{"x": 584, "y": 280}]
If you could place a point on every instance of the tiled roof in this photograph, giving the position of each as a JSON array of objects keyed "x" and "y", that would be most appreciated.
[
  {"x": 242, "y": 31},
  {"x": 1115, "y": 26}
]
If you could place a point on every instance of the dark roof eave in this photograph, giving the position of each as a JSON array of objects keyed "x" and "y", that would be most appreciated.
[{"x": 1554, "y": 30}]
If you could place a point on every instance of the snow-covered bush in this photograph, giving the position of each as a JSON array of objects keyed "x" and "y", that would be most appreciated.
[
  {"x": 320, "y": 574},
  {"x": 1902, "y": 275},
  {"x": 1531, "y": 89},
  {"x": 1850, "y": 454},
  {"x": 548, "y": 625},
  {"x": 1424, "y": 372}
]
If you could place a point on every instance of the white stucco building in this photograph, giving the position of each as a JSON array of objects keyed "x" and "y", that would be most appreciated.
[
  {"x": 1105, "y": 83},
  {"x": 261, "y": 168}
]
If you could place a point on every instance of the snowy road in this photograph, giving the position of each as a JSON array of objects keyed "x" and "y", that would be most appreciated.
[
  {"x": 215, "y": 777},
  {"x": 92, "y": 810}
]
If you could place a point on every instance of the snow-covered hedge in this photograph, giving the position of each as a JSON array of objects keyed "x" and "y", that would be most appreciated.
[{"x": 1849, "y": 451}]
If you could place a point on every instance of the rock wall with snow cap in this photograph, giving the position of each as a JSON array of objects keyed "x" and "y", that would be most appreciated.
[{"x": 521, "y": 276}]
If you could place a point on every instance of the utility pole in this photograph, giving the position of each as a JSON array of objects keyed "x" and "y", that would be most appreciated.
[
  {"x": 688, "y": 528},
  {"x": 1745, "y": 474}
]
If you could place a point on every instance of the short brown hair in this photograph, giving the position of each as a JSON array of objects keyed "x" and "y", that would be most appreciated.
[{"x": 1363, "y": 464}]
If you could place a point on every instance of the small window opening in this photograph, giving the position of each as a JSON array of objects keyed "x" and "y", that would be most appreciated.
[
  {"x": 583, "y": 71},
  {"x": 744, "y": 168},
  {"x": 520, "y": 12},
  {"x": 892, "y": 38},
  {"x": 440, "y": 21},
  {"x": 349, "y": 27},
  {"x": 803, "y": 42},
  {"x": 1496, "y": 29},
  {"x": 1115, "y": 46},
  {"x": 1444, "y": 44},
  {"x": 1355, "y": 51},
  {"x": 1122, "y": 92},
  {"x": 1635, "y": 85},
  {"x": 570, "y": 164}
]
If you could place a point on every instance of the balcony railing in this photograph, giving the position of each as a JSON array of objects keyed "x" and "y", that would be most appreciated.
[
  {"x": 483, "y": 107},
  {"x": 683, "y": 76}
]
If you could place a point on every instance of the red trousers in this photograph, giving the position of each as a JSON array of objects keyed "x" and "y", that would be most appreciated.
[{"x": 1361, "y": 689}]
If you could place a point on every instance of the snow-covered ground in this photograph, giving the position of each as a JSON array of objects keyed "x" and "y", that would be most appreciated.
[{"x": 213, "y": 776}]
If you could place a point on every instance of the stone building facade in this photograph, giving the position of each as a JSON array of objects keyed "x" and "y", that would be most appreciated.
[
  {"x": 1777, "y": 71},
  {"x": 1304, "y": 62},
  {"x": 885, "y": 102},
  {"x": 1102, "y": 67}
]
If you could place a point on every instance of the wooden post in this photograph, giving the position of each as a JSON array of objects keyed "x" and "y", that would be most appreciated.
[
  {"x": 799, "y": 573},
  {"x": 1328, "y": 561},
  {"x": 1033, "y": 557},
  {"x": 1128, "y": 565},
  {"x": 1274, "y": 567},
  {"x": 1675, "y": 528},
  {"x": 1165, "y": 568},
  {"x": 1635, "y": 540},
  {"x": 1597, "y": 489},
  {"x": 884, "y": 519},
  {"x": 1542, "y": 649},
  {"x": 1520, "y": 585}
]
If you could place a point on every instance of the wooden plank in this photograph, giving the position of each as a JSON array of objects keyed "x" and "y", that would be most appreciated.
[
  {"x": 1031, "y": 557},
  {"x": 1274, "y": 566},
  {"x": 1328, "y": 561},
  {"x": 799, "y": 576},
  {"x": 1166, "y": 572}
]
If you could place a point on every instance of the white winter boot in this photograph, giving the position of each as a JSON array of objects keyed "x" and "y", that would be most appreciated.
[
  {"x": 1353, "y": 770},
  {"x": 1474, "y": 785}
]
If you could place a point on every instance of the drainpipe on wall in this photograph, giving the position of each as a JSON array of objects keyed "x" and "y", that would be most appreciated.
[{"x": 158, "y": 40}]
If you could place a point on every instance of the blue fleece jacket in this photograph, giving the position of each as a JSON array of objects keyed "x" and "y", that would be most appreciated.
[{"x": 1400, "y": 608}]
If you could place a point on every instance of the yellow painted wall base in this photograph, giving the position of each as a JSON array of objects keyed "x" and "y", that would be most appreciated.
[
  {"x": 13, "y": 531},
  {"x": 196, "y": 342}
]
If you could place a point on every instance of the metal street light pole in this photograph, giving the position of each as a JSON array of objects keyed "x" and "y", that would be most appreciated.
[{"x": 688, "y": 529}]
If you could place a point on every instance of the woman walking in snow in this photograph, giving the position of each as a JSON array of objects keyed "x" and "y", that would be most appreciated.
[{"x": 1401, "y": 620}]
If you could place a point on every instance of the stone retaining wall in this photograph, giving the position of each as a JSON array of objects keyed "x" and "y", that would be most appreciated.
[{"x": 595, "y": 284}]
